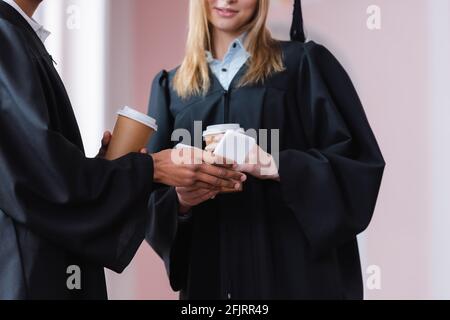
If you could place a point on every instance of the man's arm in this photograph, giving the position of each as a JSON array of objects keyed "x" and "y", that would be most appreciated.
[{"x": 95, "y": 208}]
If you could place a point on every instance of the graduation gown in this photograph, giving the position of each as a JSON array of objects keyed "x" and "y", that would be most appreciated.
[
  {"x": 293, "y": 239},
  {"x": 57, "y": 208}
]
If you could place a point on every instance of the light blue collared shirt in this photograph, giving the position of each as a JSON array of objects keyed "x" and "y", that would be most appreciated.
[{"x": 234, "y": 59}]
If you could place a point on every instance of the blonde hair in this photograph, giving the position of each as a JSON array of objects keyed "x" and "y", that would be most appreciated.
[{"x": 192, "y": 78}]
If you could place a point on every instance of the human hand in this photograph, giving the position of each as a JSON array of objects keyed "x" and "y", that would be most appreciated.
[
  {"x": 105, "y": 144},
  {"x": 259, "y": 164},
  {"x": 189, "y": 197},
  {"x": 197, "y": 170}
]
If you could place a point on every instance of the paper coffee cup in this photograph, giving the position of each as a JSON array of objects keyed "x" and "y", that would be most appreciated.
[
  {"x": 132, "y": 132},
  {"x": 213, "y": 135}
]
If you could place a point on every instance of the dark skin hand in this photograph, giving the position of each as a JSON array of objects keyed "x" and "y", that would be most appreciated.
[
  {"x": 191, "y": 196},
  {"x": 105, "y": 143},
  {"x": 194, "y": 176}
]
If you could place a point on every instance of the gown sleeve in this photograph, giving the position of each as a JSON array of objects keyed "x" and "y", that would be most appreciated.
[
  {"x": 333, "y": 185},
  {"x": 94, "y": 208},
  {"x": 168, "y": 233}
]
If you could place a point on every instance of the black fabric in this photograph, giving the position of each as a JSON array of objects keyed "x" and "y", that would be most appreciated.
[
  {"x": 57, "y": 207},
  {"x": 294, "y": 239},
  {"x": 297, "y": 30}
]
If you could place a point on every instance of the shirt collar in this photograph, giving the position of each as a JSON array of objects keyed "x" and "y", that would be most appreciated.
[
  {"x": 41, "y": 32},
  {"x": 238, "y": 44}
]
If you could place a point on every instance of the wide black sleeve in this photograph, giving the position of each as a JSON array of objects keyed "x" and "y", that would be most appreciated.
[
  {"x": 168, "y": 233},
  {"x": 93, "y": 208},
  {"x": 333, "y": 186}
]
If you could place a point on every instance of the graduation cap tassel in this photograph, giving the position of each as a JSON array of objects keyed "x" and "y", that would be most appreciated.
[{"x": 297, "y": 32}]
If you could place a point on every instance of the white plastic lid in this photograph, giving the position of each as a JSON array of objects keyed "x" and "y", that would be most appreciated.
[
  {"x": 183, "y": 146},
  {"x": 138, "y": 116},
  {"x": 221, "y": 128}
]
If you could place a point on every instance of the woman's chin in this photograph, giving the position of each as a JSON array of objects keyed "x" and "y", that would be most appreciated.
[{"x": 231, "y": 28}]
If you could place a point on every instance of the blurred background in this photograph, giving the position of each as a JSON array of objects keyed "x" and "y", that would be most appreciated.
[{"x": 397, "y": 53}]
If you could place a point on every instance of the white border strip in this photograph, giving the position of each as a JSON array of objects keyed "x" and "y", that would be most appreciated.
[{"x": 439, "y": 93}]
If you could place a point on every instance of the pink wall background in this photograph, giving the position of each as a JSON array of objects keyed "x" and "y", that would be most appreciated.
[
  {"x": 156, "y": 33},
  {"x": 389, "y": 69}
]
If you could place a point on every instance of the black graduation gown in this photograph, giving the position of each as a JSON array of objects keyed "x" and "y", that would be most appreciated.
[
  {"x": 57, "y": 208},
  {"x": 294, "y": 239}
]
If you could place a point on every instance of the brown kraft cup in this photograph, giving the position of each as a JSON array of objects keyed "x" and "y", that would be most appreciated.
[{"x": 132, "y": 132}]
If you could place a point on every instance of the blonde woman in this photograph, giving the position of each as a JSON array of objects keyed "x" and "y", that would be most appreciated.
[{"x": 290, "y": 234}]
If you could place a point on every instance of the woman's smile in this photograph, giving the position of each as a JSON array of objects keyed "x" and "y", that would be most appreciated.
[{"x": 226, "y": 12}]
